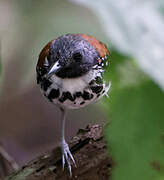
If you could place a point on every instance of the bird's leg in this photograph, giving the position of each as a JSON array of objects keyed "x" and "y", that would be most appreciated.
[{"x": 66, "y": 154}]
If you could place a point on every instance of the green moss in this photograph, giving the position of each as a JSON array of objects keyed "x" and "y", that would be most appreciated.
[{"x": 20, "y": 175}]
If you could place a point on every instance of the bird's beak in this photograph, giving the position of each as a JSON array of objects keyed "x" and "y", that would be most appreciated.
[{"x": 54, "y": 68}]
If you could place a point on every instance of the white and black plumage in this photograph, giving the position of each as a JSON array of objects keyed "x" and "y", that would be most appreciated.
[{"x": 70, "y": 73}]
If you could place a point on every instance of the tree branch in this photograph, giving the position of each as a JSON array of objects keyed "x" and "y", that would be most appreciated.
[{"x": 90, "y": 152}]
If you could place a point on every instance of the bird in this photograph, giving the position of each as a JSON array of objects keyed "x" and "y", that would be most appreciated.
[{"x": 70, "y": 72}]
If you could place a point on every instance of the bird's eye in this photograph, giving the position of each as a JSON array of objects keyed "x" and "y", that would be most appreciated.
[
  {"x": 57, "y": 55},
  {"x": 77, "y": 56}
]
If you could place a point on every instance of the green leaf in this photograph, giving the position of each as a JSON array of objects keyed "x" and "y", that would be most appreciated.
[{"x": 135, "y": 133}]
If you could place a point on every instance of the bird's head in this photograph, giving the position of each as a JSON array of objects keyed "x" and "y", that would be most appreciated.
[{"x": 71, "y": 55}]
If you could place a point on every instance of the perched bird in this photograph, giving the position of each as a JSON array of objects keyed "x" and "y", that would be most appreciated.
[{"x": 70, "y": 73}]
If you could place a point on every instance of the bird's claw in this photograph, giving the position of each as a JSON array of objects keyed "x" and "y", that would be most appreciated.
[
  {"x": 67, "y": 156},
  {"x": 107, "y": 89}
]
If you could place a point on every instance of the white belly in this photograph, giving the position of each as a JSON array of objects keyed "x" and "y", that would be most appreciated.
[{"x": 74, "y": 85}]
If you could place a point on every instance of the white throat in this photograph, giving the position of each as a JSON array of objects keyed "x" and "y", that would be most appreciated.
[{"x": 74, "y": 84}]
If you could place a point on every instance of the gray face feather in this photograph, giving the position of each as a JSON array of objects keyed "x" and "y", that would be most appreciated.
[{"x": 74, "y": 54}]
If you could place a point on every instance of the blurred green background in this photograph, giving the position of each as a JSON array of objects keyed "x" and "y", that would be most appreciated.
[{"x": 133, "y": 30}]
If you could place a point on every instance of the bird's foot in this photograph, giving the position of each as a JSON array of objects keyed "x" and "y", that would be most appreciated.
[{"x": 67, "y": 156}]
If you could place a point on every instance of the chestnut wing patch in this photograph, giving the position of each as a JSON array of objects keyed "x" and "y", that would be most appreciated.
[
  {"x": 44, "y": 54},
  {"x": 98, "y": 45}
]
